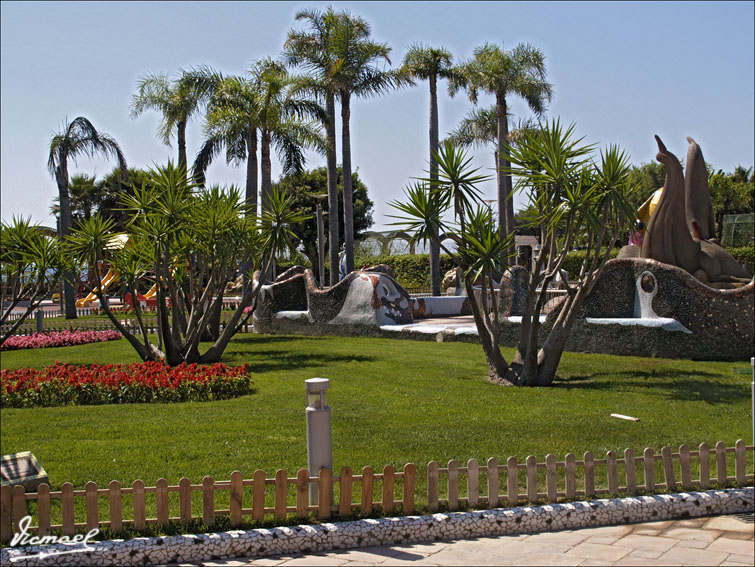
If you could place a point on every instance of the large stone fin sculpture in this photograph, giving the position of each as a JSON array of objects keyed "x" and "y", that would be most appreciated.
[
  {"x": 667, "y": 238},
  {"x": 697, "y": 204}
]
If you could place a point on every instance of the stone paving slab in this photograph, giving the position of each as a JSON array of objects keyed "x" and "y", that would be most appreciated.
[{"x": 700, "y": 541}]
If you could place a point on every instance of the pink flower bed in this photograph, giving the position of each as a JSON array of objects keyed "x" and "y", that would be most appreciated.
[{"x": 59, "y": 339}]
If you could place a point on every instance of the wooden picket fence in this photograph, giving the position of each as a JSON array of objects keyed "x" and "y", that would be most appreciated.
[
  {"x": 560, "y": 482},
  {"x": 561, "y": 477}
]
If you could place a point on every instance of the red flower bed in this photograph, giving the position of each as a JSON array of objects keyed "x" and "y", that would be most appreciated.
[
  {"x": 58, "y": 339},
  {"x": 68, "y": 384}
]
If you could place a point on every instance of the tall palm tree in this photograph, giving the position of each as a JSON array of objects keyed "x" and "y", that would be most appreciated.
[
  {"x": 313, "y": 50},
  {"x": 358, "y": 76},
  {"x": 501, "y": 73},
  {"x": 78, "y": 138},
  {"x": 177, "y": 100},
  {"x": 263, "y": 107},
  {"x": 431, "y": 63}
]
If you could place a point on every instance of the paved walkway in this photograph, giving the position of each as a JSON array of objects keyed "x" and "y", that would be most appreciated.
[{"x": 720, "y": 540}]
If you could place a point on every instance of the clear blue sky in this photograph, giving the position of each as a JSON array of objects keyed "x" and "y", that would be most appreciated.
[{"x": 621, "y": 71}]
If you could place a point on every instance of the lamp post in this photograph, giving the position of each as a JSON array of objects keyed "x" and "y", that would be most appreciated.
[{"x": 319, "y": 436}]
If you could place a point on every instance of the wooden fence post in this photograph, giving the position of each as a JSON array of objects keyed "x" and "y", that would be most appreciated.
[
  {"x": 93, "y": 510},
  {"x": 184, "y": 500},
  {"x": 704, "y": 465},
  {"x": 739, "y": 462},
  {"x": 344, "y": 500},
  {"x": 281, "y": 493},
  {"x": 66, "y": 507},
  {"x": 453, "y": 485},
  {"x": 161, "y": 499},
  {"x": 721, "y": 463},
  {"x": 473, "y": 483},
  {"x": 237, "y": 497},
  {"x": 668, "y": 468},
  {"x": 324, "y": 490},
  {"x": 631, "y": 473},
  {"x": 532, "y": 479},
  {"x": 6, "y": 506},
  {"x": 367, "y": 489},
  {"x": 648, "y": 462},
  {"x": 388, "y": 482},
  {"x": 432, "y": 486},
  {"x": 410, "y": 472},
  {"x": 208, "y": 501},
  {"x": 116, "y": 506},
  {"x": 550, "y": 478},
  {"x": 684, "y": 466},
  {"x": 571, "y": 476},
  {"x": 302, "y": 493},
  {"x": 19, "y": 505},
  {"x": 43, "y": 509},
  {"x": 589, "y": 475},
  {"x": 139, "y": 507},
  {"x": 492, "y": 482},
  {"x": 258, "y": 499},
  {"x": 512, "y": 481},
  {"x": 613, "y": 474}
]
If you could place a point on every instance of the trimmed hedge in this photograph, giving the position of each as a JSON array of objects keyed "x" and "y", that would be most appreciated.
[{"x": 411, "y": 270}]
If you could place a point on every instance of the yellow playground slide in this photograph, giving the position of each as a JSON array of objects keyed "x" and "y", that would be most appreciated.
[
  {"x": 151, "y": 293},
  {"x": 110, "y": 278}
]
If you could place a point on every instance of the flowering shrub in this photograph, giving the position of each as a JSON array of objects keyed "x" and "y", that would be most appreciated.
[
  {"x": 68, "y": 384},
  {"x": 58, "y": 339}
]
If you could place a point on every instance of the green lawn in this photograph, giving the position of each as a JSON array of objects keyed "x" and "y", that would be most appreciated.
[{"x": 393, "y": 402}]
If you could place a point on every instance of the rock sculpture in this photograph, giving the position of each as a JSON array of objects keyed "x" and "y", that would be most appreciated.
[{"x": 669, "y": 239}]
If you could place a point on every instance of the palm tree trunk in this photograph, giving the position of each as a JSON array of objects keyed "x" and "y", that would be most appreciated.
[
  {"x": 251, "y": 169},
  {"x": 348, "y": 192},
  {"x": 61, "y": 176},
  {"x": 434, "y": 143},
  {"x": 330, "y": 107},
  {"x": 181, "y": 136},
  {"x": 266, "y": 168},
  {"x": 505, "y": 198}
]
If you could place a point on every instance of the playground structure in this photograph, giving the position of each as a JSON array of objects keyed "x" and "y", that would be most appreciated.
[{"x": 110, "y": 278}]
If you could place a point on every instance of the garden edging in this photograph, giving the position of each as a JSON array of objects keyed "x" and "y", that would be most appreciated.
[{"x": 387, "y": 531}]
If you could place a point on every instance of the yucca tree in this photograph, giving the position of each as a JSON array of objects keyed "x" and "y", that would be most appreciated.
[
  {"x": 430, "y": 63},
  {"x": 493, "y": 70},
  {"x": 567, "y": 188},
  {"x": 78, "y": 138},
  {"x": 176, "y": 99},
  {"x": 194, "y": 241},
  {"x": 30, "y": 265}
]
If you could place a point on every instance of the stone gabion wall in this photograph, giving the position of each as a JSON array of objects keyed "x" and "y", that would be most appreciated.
[{"x": 388, "y": 531}]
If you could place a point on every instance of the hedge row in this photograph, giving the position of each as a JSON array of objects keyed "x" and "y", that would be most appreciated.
[{"x": 413, "y": 271}]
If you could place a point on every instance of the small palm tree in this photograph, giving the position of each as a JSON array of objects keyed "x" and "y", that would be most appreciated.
[
  {"x": 431, "y": 63},
  {"x": 78, "y": 138},
  {"x": 501, "y": 73},
  {"x": 177, "y": 100}
]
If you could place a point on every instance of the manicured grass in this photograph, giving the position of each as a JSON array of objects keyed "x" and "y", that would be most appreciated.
[{"x": 393, "y": 402}]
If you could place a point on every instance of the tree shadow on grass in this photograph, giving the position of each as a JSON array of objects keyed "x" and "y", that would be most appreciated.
[
  {"x": 275, "y": 361},
  {"x": 668, "y": 384},
  {"x": 254, "y": 339}
]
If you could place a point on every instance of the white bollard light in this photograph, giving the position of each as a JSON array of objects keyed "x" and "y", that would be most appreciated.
[{"x": 319, "y": 446}]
